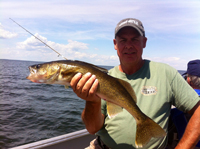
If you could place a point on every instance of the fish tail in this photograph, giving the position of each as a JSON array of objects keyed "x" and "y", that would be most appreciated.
[{"x": 146, "y": 130}]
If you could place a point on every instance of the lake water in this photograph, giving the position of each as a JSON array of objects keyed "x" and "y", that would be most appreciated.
[{"x": 31, "y": 112}]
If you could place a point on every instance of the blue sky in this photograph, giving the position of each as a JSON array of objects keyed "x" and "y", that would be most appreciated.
[{"x": 84, "y": 29}]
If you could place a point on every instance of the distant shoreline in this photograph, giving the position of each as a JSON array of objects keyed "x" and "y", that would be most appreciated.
[{"x": 180, "y": 71}]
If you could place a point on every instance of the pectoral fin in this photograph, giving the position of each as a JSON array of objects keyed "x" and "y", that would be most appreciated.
[
  {"x": 113, "y": 109},
  {"x": 97, "y": 67}
]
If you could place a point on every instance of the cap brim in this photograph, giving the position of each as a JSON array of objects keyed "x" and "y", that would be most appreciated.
[{"x": 133, "y": 26}]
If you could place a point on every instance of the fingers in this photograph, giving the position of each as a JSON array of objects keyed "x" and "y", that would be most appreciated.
[
  {"x": 94, "y": 86},
  {"x": 88, "y": 83},
  {"x": 85, "y": 86},
  {"x": 75, "y": 80}
]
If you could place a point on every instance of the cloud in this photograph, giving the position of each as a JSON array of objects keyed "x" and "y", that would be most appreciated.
[
  {"x": 4, "y": 34},
  {"x": 76, "y": 46},
  {"x": 114, "y": 57},
  {"x": 33, "y": 48},
  {"x": 32, "y": 43},
  {"x": 176, "y": 62}
]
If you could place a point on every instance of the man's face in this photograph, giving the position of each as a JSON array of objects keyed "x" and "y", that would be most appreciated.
[{"x": 129, "y": 45}]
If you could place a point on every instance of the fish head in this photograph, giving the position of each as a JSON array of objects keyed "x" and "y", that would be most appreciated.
[{"x": 43, "y": 73}]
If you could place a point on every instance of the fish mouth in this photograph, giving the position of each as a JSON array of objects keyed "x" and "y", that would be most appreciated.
[
  {"x": 31, "y": 72},
  {"x": 36, "y": 77},
  {"x": 35, "y": 80},
  {"x": 33, "y": 76}
]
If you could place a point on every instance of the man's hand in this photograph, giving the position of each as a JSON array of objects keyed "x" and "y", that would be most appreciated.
[{"x": 85, "y": 86}]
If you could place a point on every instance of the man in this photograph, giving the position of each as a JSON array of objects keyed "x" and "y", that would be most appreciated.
[
  {"x": 157, "y": 87},
  {"x": 193, "y": 75}
]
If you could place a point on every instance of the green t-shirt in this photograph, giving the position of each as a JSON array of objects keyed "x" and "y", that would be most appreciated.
[{"x": 157, "y": 86}]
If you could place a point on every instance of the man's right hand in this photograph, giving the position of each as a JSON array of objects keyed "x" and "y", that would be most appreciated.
[{"x": 85, "y": 86}]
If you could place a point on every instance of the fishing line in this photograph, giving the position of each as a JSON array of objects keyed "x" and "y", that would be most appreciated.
[{"x": 38, "y": 39}]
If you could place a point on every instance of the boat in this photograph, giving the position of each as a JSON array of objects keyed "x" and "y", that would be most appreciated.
[{"x": 74, "y": 140}]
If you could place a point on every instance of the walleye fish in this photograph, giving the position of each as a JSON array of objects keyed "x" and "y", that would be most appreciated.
[{"x": 116, "y": 92}]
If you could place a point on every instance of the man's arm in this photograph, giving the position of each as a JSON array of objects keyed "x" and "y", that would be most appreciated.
[
  {"x": 191, "y": 135},
  {"x": 85, "y": 87}
]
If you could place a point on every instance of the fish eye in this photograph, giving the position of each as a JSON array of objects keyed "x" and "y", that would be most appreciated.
[{"x": 37, "y": 66}]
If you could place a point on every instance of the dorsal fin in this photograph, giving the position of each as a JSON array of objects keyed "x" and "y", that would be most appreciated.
[
  {"x": 101, "y": 69},
  {"x": 97, "y": 67},
  {"x": 129, "y": 88}
]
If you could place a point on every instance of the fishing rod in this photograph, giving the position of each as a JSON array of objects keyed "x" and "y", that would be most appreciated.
[{"x": 38, "y": 39}]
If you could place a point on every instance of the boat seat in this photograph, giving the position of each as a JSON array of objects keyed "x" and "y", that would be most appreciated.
[{"x": 180, "y": 122}]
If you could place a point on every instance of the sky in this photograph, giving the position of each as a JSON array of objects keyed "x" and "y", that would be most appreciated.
[{"x": 84, "y": 29}]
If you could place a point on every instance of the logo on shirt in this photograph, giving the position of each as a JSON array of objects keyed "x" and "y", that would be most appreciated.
[{"x": 149, "y": 90}]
